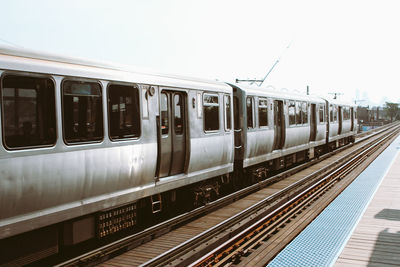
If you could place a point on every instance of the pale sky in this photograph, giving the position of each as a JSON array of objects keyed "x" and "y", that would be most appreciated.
[{"x": 348, "y": 47}]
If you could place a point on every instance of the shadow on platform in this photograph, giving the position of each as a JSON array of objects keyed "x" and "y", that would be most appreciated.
[
  {"x": 386, "y": 250},
  {"x": 388, "y": 214}
]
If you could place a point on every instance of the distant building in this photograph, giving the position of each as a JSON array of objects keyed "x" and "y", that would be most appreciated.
[{"x": 371, "y": 117}]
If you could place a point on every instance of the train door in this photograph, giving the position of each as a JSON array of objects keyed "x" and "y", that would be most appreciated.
[
  {"x": 313, "y": 123},
  {"x": 340, "y": 120},
  {"x": 279, "y": 125},
  {"x": 328, "y": 120},
  {"x": 172, "y": 136},
  {"x": 352, "y": 119},
  {"x": 237, "y": 127}
]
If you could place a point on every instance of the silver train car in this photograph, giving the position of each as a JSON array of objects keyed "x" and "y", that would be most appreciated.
[
  {"x": 90, "y": 150},
  {"x": 342, "y": 124},
  {"x": 274, "y": 130},
  {"x": 82, "y": 143},
  {"x": 277, "y": 131}
]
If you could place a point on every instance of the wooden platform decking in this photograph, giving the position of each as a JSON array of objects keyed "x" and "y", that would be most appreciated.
[{"x": 376, "y": 239}]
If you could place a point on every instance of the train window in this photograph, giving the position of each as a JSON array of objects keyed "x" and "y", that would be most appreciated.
[
  {"x": 82, "y": 111},
  {"x": 331, "y": 113},
  {"x": 292, "y": 112},
  {"x": 164, "y": 114},
  {"x": 178, "y": 113},
  {"x": 211, "y": 112},
  {"x": 124, "y": 112},
  {"x": 228, "y": 118},
  {"x": 249, "y": 110},
  {"x": 29, "y": 118},
  {"x": 321, "y": 113},
  {"x": 298, "y": 113},
  {"x": 263, "y": 112},
  {"x": 304, "y": 114}
]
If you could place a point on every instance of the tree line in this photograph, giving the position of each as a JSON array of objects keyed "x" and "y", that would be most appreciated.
[{"x": 392, "y": 110}]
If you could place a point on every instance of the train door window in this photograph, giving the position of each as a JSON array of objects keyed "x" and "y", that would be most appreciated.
[
  {"x": 292, "y": 112},
  {"x": 82, "y": 111},
  {"x": 304, "y": 115},
  {"x": 228, "y": 118},
  {"x": 331, "y": 113},
  {"x": 29, "y": 116},
  {"x": 211, "y": 112},
  {"x": 164, "y": 114},
  {"x": 249, "y": 111},
  {"x": 321, "y": 113},
  {"x": 178, "y": 113},
  {"x": 335, "y": 113},
  {"x": 346, "y": 113},
  {"x": 124, "y": 111},
  {"x": 263, "y": 112},
  {"x": 298, "y": 113}
]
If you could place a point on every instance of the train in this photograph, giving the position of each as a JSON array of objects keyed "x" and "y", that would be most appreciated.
[{"x": 92, "y": 149}]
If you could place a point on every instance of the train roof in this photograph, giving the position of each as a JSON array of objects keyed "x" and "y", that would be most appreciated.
[
  {"x": 263, "y": 91},
  {"x": 40, "y": 62},
  {"x": 341, "y": 102}
]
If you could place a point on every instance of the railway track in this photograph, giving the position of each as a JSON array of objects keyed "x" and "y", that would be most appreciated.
[
  {"x": 185, "y": 242},
  {"x": 259, "y": 232}
]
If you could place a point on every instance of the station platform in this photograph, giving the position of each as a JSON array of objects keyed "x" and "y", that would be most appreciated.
[{"x": 361, "y": 227}]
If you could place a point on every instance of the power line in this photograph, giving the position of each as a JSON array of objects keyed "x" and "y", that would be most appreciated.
[
  {"x": 11, "y": 43},
  {"x": 276, "y": 62},
  {"x": 269, "y": 71}
]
